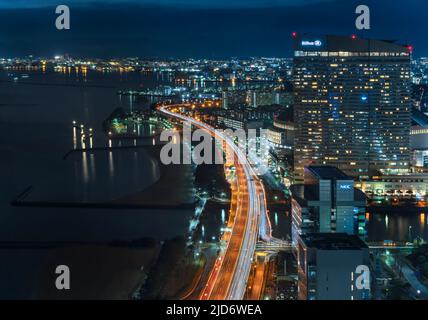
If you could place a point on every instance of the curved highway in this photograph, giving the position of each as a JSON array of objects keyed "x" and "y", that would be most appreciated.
[{"x": 228, "y": 278}]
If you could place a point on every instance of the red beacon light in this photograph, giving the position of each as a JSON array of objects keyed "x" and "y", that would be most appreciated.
[
  {"x": 353, "y": 37},
  {"x": 410, "y": 48},
  {"x": 294, "y": 34}
]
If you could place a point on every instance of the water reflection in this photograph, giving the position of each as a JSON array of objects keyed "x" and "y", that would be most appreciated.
[
  {"x": 47, "y": 129},
  {"x": 93, "y": 170},
  {"x": 111, "y": 163},
  {"x": 74, "y": 138},
  {"x": 405, "y": 225},
  {"x": 85, "y": 172}
]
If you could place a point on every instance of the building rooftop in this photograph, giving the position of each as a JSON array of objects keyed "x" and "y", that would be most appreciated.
[
  {"x": 419, "y": 117},
  {"x": 347, "y": 43},
  {"x": 328, "y": 173},
  {"x": 333, "y": 241}
]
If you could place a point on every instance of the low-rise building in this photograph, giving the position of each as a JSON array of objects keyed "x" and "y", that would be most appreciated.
[
  {"x": 396, "y": 185},
  {"x": 234, "y": 98}
]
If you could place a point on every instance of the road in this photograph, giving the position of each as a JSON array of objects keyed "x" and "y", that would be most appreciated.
[
  {"x": 228, "y": 278},
  {"x": 258, "y": 280},
  {"x": 419, "y": 289},
  {"x": 210, "y": 254}
]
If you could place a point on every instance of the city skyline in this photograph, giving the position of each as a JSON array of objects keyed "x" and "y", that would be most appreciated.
[{"x": 237, "y": 150}]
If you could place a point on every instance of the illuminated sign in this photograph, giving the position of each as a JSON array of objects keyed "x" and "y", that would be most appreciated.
[
  {"x": 345, "y": 187},
  {"x": 316, "y": 43}
]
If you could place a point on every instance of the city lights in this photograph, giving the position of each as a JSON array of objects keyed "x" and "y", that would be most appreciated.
[{"x": 257, "y": 151}]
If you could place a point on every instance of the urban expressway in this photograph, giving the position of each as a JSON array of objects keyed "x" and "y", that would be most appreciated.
[{"x": 247, "y": 223}]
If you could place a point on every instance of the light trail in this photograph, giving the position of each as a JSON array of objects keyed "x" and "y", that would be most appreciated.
[{"x": 229, "y": 276}]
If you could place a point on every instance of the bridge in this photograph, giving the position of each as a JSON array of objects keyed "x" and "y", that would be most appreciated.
[
  {"x": 274, "y": 246},
  {"x": 377, "y": 246}
]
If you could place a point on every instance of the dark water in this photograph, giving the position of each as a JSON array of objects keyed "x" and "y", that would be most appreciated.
[
  {"x": 36, "y": 132},
  {"x": 384, "y": 224},
  {"x": 405, "y": 225},
  {"x": 280, "y": 221},
  {"x": 98, "y": 176}
]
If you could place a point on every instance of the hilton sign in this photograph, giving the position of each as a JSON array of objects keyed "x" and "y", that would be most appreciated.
[{"x": 316, "y": 43}]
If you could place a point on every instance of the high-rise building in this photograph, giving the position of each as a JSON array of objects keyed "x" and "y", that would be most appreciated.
[
  {"x": 352, "y": 104},
  {"x": 329, "y": 266}
]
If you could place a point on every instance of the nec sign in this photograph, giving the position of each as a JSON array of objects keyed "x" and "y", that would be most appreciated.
[{"x": 345, "y": 187}]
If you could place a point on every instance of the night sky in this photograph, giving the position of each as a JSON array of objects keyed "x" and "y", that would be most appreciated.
[{"x": 198, "y": 28}]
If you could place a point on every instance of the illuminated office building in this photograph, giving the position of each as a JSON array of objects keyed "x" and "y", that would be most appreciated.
[
  {"x": 281, "y": 134},
  {"x": 327, "y": 202},
  {"x": 352, "y": 105}
]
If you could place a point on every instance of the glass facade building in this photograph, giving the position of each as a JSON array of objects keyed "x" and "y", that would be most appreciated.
[{"x": 352, "y": 102}]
